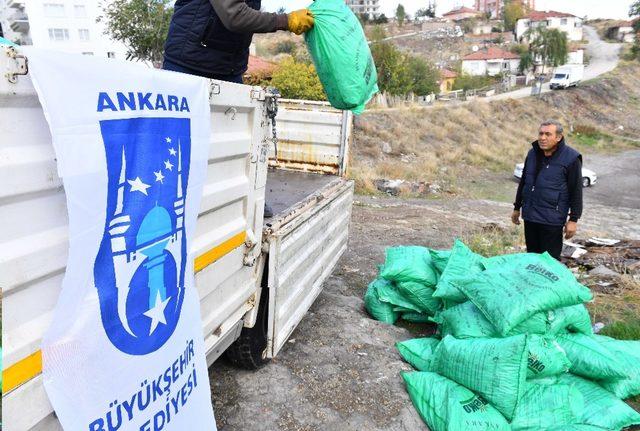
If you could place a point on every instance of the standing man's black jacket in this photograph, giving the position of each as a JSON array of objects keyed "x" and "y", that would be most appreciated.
[
  {"x": 551, "y": 186},
  {"x": 213, "y": 36}
]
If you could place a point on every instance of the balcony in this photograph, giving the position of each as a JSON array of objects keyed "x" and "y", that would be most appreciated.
[
  {"x": 19, "y": 22},
  {"x": 16, "y": 4}
]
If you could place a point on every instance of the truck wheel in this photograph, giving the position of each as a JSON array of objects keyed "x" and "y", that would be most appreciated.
[{"x": 250, "y": 350}]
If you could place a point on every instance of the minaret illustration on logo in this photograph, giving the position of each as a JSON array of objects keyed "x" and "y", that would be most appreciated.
[
  {"x": 155, "y": 234},
  {"x": 140, "y": 268}
]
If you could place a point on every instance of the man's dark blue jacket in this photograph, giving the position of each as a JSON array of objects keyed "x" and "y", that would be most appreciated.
[
  {"x": 550, "y": 187},
  {"x": 215, "y": 41}
]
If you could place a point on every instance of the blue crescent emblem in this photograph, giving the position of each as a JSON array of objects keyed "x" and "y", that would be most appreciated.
[{"x": 139, "y": 271}]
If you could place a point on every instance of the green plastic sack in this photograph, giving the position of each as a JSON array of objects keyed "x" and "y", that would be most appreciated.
[
  {"x": 510, "y": 295},
  {"x": 546, "y": 358},
  {"x": 439, "y": 259},
  {"x": 570, "y": 319},
  {"x": 507, "y": 260},
  {"x": 419, "y": 296},
  {"x": 466, "y": 321},
  {"x": 341, "y": 55},
  {"x": 545, "y": 406},
  {"x": 379, "y": 310},
  {"x": 601, "y": 407},
  {"x": 589, "y": 358},
  {"x": 462, "y": 264},
  {"x": 408, "y": 263},
  {"x": 416, "y": 317},
  {"x": 495, "y": 369},
  {"x": 446, "y": 406},
  {"x": 575, "y": 427},
  {"x": 388, "y": 292},
  {"x": 627, "y": 352},
  {"x": 418, "y": 352}
]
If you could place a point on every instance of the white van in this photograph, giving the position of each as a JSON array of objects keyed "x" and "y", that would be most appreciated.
[
  {"x": 256, "y": 277},
  {"x": 567, "y": 76}
]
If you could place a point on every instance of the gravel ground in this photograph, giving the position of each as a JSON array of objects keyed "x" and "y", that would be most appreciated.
[{"x": 340, "y": 369}]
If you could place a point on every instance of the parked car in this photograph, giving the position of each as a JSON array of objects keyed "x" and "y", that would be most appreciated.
[{"x": 589, "y": 177}]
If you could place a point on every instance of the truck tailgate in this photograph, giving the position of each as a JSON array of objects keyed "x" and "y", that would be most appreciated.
[{"x": 305, "y": 243}]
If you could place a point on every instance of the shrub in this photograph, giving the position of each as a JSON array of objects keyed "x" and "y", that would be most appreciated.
[
  {"x": 469, "y": 82},
  {"x": 297, "y": 81},
  {"x": 287, "y": 46}
]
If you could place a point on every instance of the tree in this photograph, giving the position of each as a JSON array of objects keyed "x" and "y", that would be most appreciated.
[
  {"x": 513, "y": 11},
  {"x": 380, "y": 19},
  {"x": 297, "y": 81},
  {"x": 423, "y": 76},
  {"x": 526, "y": 61},
  {"x": 393, "y": 76},
  {"x": 400, "y": 14},
  {"x": 363, "y": 18},
  {"x": 142, "y": 25},
  {"x": 634, "y": 11},
  {"x": 549, "y": 47},
  {"x": 400, "y": 74},
  {"x": 429, "y": 11},
  {"x": 281, "y": 10}
]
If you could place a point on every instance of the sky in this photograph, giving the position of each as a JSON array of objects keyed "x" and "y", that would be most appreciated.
[{"x": 591, "y": 8}]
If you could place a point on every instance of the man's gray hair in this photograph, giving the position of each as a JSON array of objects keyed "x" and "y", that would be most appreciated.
[{"x": 559, "y": 128}]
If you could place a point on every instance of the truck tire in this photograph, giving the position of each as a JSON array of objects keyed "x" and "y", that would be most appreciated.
[{"x": 249, "y": 351}]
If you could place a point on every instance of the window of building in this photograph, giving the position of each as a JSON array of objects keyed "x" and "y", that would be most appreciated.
[
  {"x": 111, "y": 54},
  {"x": 80, "y": 11},
  {"x": 87, "y": 53},
  {"x": 83, "y": 34},
  {"x": 563, "y": 21},
  {"x": 58, "y": 34},
  {"x": 54, "y": 10}
]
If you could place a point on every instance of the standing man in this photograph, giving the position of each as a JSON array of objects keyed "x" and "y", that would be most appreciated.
[
  {"x": 550, "y": 190},
  {"x": 211, "y": 38}
]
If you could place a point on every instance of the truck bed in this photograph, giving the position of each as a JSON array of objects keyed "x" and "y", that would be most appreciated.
[
  {"x": 305, "y": 238},
  {"x": 286, "y": 189}
]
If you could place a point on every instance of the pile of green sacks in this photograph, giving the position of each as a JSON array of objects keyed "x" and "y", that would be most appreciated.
[{"x": 515, "y": 348}]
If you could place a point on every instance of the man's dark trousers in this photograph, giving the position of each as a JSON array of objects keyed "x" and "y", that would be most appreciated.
[{"x": 542, "y": 237}]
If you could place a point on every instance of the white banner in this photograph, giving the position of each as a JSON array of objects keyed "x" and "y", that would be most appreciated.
[{"x": 125, "y": 349}]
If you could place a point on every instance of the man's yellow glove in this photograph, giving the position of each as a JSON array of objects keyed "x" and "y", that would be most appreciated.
[{"x": 300, "y": 21}]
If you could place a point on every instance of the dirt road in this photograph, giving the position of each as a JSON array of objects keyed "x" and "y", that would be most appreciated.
[
  {"x": 340, "y": 370},
  {"x": 615, "y": 173}
]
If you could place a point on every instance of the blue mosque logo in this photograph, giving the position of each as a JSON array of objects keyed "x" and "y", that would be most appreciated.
[{"x": 140, "y": 267}]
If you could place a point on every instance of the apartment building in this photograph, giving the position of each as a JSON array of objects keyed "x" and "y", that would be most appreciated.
[
  {"x": 63, "y": 25},
  {"x": 369, "y": 7},
  {"x": 495, "y": 7}
]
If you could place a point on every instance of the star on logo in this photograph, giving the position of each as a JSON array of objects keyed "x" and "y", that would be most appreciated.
[
  {"x": 159, "y": 176},
  {"x": 168, "y": 140},
  {"x": 172, "y": 151},
  {"x": 138, "y": 186},
  {"x": 168, "y": 165},
  {"x": 156, "y": 314}
]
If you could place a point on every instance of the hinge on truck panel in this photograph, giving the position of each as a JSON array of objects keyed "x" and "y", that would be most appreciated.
[
  {"x": 215, "y": 89},
  {"x": 21, "y": 63},
  {"x": 257, "y": 94},
  {"x": 250, "y": 244}
]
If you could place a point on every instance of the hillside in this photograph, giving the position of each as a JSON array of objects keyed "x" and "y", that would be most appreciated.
[{"x": 458, "y": 146}]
